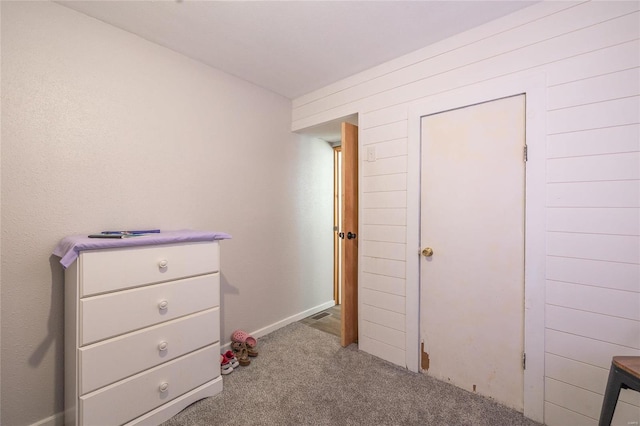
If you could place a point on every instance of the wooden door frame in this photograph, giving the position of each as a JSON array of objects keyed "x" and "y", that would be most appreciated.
[{"x": 534, "y": 87}]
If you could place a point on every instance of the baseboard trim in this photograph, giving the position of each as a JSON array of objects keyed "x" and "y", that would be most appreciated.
[
  {"x": 55, "y": 420},
  {"x": 283, "y": 323},
  {"x": 297, "y": 317}
]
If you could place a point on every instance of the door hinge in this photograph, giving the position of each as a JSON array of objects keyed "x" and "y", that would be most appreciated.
[
  {"x": 524, "y": 361},
  {"x": 525, "y": 153}
]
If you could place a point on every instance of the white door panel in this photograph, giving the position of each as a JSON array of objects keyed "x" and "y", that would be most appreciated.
[{"x": 472, "y": 215}]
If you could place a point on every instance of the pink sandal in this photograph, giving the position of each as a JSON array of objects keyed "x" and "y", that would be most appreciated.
[{"x": 240, "y": 336}]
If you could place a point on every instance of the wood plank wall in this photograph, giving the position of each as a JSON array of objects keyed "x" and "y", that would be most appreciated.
[{"x": 590, "y": 53}]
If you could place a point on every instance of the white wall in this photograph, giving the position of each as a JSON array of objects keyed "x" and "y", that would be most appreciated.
[
  {"x": 590, "y": 54},
  {"x": 102, "y": 129}
]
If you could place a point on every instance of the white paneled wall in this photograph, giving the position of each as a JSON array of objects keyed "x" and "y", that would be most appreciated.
[{"x": 590, "y": 54}]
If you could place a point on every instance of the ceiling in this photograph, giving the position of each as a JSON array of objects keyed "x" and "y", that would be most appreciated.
[{"x": 294, "y": 47}]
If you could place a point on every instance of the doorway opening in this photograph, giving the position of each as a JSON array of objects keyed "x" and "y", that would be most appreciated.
[{"x": 342, "y": 135}]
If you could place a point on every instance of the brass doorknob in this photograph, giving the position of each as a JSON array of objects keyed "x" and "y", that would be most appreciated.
[{"x": 428, "y": 252}]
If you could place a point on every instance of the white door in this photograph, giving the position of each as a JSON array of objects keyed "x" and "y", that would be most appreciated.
[{"x": 472, "y": 217}]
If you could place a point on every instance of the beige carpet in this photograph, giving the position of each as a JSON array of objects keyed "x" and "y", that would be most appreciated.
[{"x": 303, "y": 377}]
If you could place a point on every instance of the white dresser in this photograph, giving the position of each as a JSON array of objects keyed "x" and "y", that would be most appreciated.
[{"x": 142, "y": 332}]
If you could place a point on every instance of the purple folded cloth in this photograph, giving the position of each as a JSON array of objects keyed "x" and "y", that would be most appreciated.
[{"x": 69, "y": 247}]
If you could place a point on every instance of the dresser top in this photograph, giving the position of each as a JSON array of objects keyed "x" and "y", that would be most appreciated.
[{"x": 70, "y": 247}]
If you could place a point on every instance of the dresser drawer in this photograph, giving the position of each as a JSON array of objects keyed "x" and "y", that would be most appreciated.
[
  {"x": 123, "y": 401},
  {"x": 114, "y": 359},
  {"x": 113, "y": 314},
  {"x": 108, "y": 270}
]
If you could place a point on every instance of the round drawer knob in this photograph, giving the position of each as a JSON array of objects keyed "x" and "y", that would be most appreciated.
[
  {"x": 163, "y": 305},
  {"x": 163, "y": 387},
  {"x": 163, "y": 346},
  {"x": 163, "y": 264}
]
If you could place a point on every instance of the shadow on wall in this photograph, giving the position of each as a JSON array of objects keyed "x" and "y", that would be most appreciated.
[
  {"x": 225, "y": 289},
  {"x": 55, "y": 333}
]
